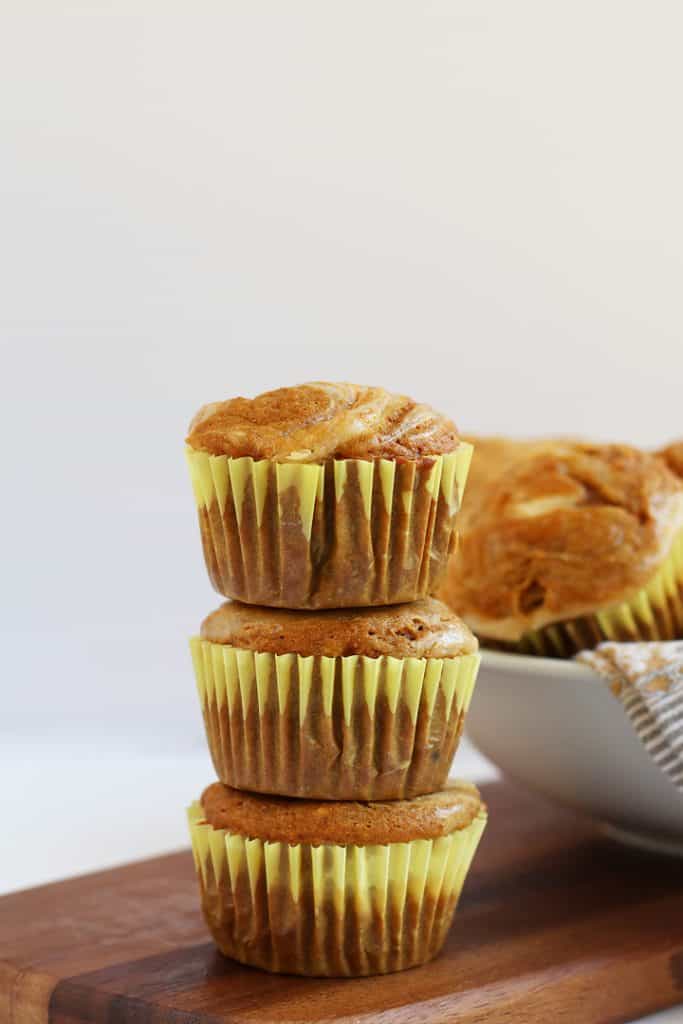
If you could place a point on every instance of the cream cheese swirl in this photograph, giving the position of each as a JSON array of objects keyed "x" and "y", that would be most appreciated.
[{"x": 321, "y": 420}]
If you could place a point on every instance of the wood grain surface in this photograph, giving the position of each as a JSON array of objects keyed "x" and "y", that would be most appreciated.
[{"x": 556, "y": 924}]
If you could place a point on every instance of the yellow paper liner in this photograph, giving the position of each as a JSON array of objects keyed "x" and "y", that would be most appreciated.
[
  {"x": 345, "y": 533},
  {"x": 655, "y": 612},
  {"x": 346, "y": 728},
  {"x": 330, "y": 910}
]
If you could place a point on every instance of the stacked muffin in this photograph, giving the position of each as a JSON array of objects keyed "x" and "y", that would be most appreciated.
[{"x": 333, "y": 688}]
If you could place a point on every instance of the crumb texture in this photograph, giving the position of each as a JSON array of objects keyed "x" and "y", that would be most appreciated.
[{"x": 421, "y": 629}]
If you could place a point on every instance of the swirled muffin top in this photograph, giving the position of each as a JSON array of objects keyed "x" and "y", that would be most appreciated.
[
  {"x": 318, "y": 421},
  {"x": 492, "y": 457},
  {"x": 563, "y": 532},
  {"x": 347, "y": 823},
  {"x": 421, "y": 629}
]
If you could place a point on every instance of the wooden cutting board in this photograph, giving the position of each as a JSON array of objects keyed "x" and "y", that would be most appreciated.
[{"x": 556, "y": 924}]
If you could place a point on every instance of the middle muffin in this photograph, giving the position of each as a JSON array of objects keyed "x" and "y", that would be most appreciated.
[{"x": 359, "y": 704}]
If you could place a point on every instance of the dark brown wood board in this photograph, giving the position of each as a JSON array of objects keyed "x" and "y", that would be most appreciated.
[{"x": 556, "y": 924}]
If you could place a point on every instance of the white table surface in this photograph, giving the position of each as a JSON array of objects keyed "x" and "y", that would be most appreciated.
[{"x": 101, "y": 804}]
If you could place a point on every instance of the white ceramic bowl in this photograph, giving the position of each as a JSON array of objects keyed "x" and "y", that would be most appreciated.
[{"x": 555, "y": 726}]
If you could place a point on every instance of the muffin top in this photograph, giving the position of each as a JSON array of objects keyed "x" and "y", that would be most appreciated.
[
  {"x": 421, "y": 629},
  {"x": 492, "y": 457},
  {"x": 279, "y": 819},
  {"x": 565, "y": 531},
  {"x": 673, "y": 456},
  {"x": 313, "y": 422}
]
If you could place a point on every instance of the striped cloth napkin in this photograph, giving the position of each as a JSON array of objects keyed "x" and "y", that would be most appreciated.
[{"x": 648, "y": 680}]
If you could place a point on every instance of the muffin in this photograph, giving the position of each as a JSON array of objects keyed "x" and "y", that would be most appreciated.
[
  {"x": 573, "y": 545},
  {"x": 326, "y": 495},
  {"x": 343, "y": 889},
  {"x": 362, "y": 704}
]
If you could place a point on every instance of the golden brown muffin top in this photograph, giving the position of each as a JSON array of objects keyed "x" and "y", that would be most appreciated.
[
  {"x": 313, "y": 422},
  {"x": 492, "y": 456},
  {"x": 284, "y": 820},
  {"x": 421, "y": 629},
  {"x": 564, "y": 532},
  {"x": 673, "y": 456}
]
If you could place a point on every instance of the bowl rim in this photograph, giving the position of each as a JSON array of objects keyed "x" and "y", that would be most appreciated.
[{"x": 559, "y": 668}]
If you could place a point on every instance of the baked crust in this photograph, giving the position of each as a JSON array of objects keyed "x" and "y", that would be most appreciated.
[
  {"x": 322, "y": 420},
  {"x": 564, "y": 532},
  {"x": 492, "y": 456},
  {"x": 421, "y": 629},
  {"x": 346, "y": 823},
  {"x": 673, "y": 456}
]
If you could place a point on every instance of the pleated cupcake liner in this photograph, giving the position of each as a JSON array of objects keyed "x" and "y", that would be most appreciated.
[
  {"x": 346, "y": 728},
  {"x": 328, "y": 910},
  {"x": 655, "y": 612},
  {"x": 346, "y": 533}
]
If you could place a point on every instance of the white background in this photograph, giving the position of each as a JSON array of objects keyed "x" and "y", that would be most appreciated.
[{"x": 478, "y": 203}]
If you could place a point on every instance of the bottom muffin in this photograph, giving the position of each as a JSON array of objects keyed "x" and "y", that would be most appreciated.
[{"x": 333, "y": 889}]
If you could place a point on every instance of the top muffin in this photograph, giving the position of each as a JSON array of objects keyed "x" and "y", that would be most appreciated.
[
  {"x": 319, "y": 421},
  {"x": 326, "y": 495},
  {"x": 568, "y": 531}
]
